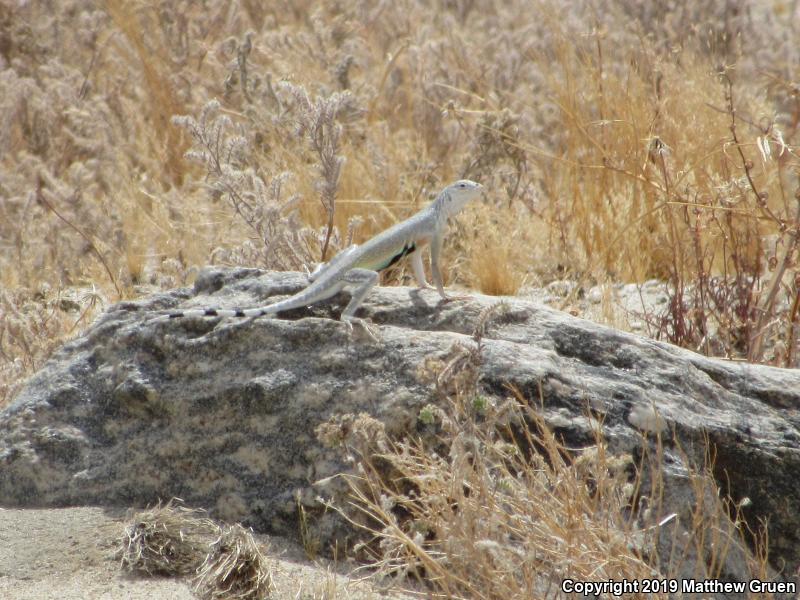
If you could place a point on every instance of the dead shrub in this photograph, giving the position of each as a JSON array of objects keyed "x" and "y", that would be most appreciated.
[
  {"x": 169, "y": 540},
  {"x": 235, "y": 568}
]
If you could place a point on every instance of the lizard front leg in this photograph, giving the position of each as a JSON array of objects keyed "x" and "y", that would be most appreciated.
[
  {"x": 436, "y": 252},
  {"x": 419, "y": 270}
]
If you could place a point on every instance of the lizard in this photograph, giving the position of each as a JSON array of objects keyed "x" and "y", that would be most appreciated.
[{"x": 359, "y": 266}]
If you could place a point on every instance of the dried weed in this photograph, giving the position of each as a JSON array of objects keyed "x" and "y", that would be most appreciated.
[
  {"x": 235, "y": 568},
  {"x": 169, "y": 540}
]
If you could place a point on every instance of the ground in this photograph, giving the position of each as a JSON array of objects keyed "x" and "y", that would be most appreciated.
[{"x": 68, "y": 554}]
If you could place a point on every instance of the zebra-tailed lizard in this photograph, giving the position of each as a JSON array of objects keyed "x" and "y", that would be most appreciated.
[{"x": 359, "y": 265}]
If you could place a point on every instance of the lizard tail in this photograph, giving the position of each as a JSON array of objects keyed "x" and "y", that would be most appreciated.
[
  {"x": 307, "y": 297},
  {"x": 221, "y": 312}
]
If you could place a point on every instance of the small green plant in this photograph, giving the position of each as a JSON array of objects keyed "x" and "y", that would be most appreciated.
[
  {"x": 427, "y": 416},
  {"x": 480, "y": 405}
]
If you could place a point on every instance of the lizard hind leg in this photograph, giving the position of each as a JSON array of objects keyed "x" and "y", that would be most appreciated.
[
  {"x": 364, "y": 280},
  {"x": 324, "y": 267}
]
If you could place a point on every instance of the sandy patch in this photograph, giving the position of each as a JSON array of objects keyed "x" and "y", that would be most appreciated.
[{"x": 68, "y": 554}]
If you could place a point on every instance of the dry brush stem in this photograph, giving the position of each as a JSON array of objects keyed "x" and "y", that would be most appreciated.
[
  {"x": 484, "y": 521},
  {"x": 788, "y": 227},
  {"x": 317, "y": 121},
  {"x": 673, "y": 208},
  {"x": 224, "y": 149},
  {"x": 41, "y": 196}
]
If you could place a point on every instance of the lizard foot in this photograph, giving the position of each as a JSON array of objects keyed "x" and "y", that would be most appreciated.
[
  {"x": 447, "y": 299},
  {"x": 364, "y": 327}
]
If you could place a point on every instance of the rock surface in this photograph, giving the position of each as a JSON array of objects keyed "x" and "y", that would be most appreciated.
[{"x": 221, "y": 413}]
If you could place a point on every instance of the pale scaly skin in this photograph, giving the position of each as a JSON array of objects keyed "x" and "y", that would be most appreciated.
[{"x": 358, "y": 266}]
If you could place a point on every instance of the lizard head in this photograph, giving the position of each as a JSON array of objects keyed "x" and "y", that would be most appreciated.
[{"x": 456, "y": 195}]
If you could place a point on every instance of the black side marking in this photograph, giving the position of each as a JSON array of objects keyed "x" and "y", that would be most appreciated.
[
  {"x": 407, "y": 249},
  {"x": 175, "y": 315},
  {"x": 239, "y": 313},
  {"x": 210, "y": 312}
]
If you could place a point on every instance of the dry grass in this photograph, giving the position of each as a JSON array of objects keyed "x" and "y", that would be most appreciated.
[
  {"x": 170, "y": 540},
  {"x": 234, "y": 569},
  {"x": 173, "y": 540},
  {"x": 483, "y": 522},
  {"x": 665, "y": 184}
]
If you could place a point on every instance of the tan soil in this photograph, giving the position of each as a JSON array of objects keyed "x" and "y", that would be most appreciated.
[{"x": 68, "y": 554}]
